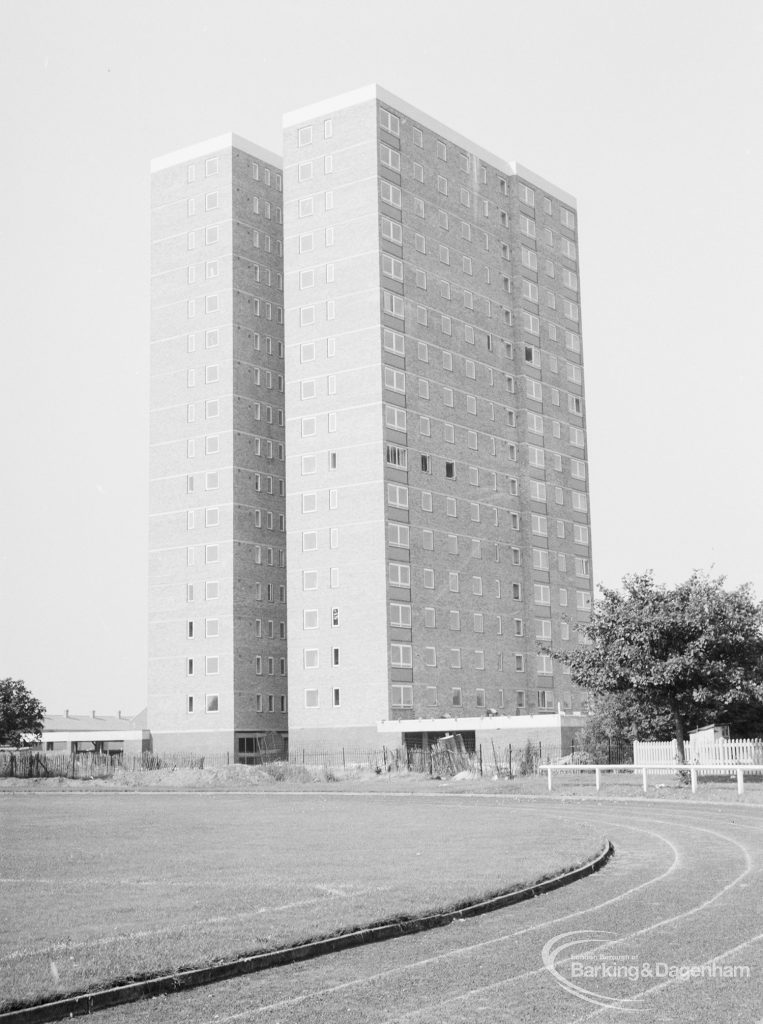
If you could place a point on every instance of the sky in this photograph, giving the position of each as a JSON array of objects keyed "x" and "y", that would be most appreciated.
[{"x": 649, "y": 113}]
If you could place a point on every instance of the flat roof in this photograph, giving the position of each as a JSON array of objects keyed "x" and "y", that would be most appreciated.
[
  {"x": 376, "y": 92},
  {"x": 229, "y": 141}
]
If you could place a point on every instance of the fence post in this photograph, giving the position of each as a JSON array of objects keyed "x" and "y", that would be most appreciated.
[
  {"x": 343, "y": 761},
  {"x": 384, "y": 752},
  {"x": 540, "y": 756},
  {"x": 510, "y": 771},
  {"x": 480, "y": 759},
  {"x": 643, "y": 778},
  {"x": 548, "y": 772},
  {"x": 598, "y": 779},
  {"x": 303, "y": 756},
  {"x": 693, "y": 774},
  {"x": 740, "y": 781}
]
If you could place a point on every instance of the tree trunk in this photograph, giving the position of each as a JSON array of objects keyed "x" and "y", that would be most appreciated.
[{"x": 679, "y": 724}]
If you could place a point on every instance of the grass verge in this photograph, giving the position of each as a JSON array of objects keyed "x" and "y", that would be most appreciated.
[{"x": 98, "y": 889}]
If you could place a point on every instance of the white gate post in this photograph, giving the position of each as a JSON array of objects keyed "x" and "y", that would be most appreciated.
[{"x": 643, "y": 778}]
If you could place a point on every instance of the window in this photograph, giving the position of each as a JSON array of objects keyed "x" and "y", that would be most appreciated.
[
  {"x": 397, "y": 456},
  {"x": 455, "y": 697},
  {"x": 395, "y": 417},
  {"x": 519, "y": 662},
  {"x": 401, "y": 655},
  {"x": 305, "y": 136},
  {"x": 392, "y": 230},
  {"x": 310, "y": 618},
  {"x": 529, "y": 259},
  {"x": 534, "y": 423},
  {"x": 392, "y": 267},
  {"x": 391, "y": 193},
  {"x": 398, "y": 535},
  {"x": 545, "y": 700},
  {"x": 213, "y": 702},
  {"x": 540, "y": 558},
  {"x": 529, "y": 290},
  {"x": 389, "y": 157},
  {"x": 399, "y": 574},
  {"x": 394, "y": 342},
  {"x": 526, "y": 195},
  {"x": 311, "y": 657},
  {"x": 393, "y": 304},
  {"x": 530, "y": 323},
  {"x": 580, "y": 534},
  {"x": 537, "y": 490},
  {"x": 394, "y": 379},
  {"x": 402, "y": 696},
  {"x": 389, "y": 121},
  {"x": 541, "y": 593},
  {"x": 527, "y": 226},
  {"x": 311, "y": 698},
  {"x": 400, "y": 615}
]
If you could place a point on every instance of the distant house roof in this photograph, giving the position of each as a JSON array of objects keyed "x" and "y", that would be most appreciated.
[{"x": 95, "y": 723}]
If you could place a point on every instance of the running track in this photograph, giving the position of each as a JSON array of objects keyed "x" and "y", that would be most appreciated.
[{"x": 685, "y": 888}]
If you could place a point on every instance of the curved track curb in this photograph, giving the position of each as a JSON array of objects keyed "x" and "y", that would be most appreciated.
[{"x": 86, "y": 1003}]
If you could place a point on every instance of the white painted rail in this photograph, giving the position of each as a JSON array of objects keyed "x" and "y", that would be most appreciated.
[{"x": 659, "y": 768}]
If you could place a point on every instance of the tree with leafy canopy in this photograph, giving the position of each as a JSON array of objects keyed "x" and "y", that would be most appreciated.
[
  {"x": 21, "y": 714},
  {"x": 672, "y": 658}
]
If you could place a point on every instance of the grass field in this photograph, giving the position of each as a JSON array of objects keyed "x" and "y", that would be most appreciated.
[{"x": 99, "y": 887}]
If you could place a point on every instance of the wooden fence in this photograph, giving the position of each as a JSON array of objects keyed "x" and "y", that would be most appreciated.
[{"x": 718, "y": 753}]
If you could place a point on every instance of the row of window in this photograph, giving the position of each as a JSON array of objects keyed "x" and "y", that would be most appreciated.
[
  {"x": 392, "y": 195},
  {"x": 212, "y": 167},
  {"x": 391, "y": 123},
  {"x": 402, "y": 697},
  {"x": 212, "y": 411},
  {"x": 258, "y": 307},
  {"x": 400, "y": 616},
  {"x": 261, "y": 482},
  {"x": 211, "y": 591},
  {"x": 260, "y": 207},
  {"x": 212, "y": 703},
  {"x": 212, "y": 665},
  {"x": 399, "y": 535},
  {"x": 399, "y": 575}
]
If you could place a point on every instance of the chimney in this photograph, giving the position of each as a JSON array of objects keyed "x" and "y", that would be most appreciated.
[
  {"x": 92, "y": 714},
  {"x": 119, "y": 714},
  {"x": 66, "y": 713}
]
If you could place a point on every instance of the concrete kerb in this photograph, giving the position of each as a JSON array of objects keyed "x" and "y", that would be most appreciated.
[{"x": 87, "y": 1003}]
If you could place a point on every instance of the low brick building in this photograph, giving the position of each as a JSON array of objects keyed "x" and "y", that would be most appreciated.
[{"x": 95, "y": 734}]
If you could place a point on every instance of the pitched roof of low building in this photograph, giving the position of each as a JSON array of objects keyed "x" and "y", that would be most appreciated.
[{"x": 95, "y": 723}]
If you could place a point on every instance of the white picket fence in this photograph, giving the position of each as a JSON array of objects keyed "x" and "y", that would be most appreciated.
[{"x": 721, "y": 752}]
